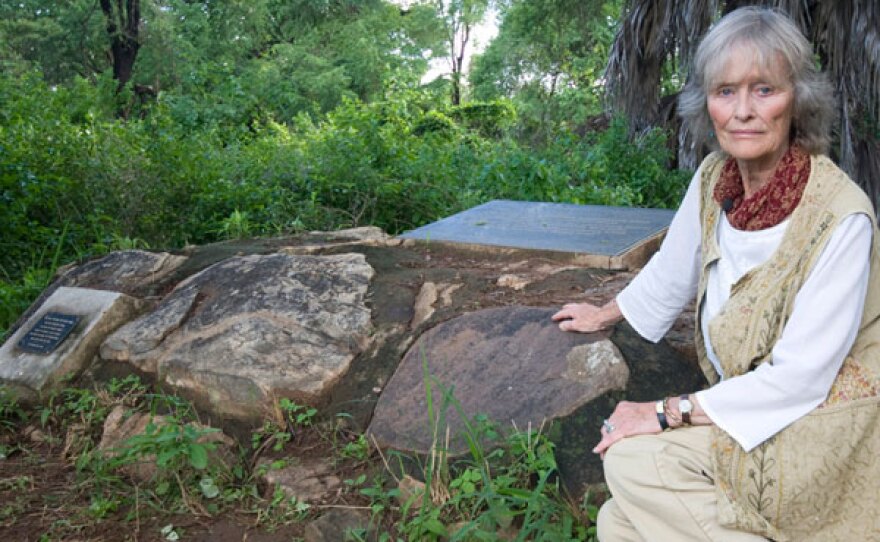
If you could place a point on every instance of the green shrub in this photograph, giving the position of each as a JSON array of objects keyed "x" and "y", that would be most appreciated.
[
  {"x": 634, "y": 173},
  {"x": 489, "y": 119},
  {"x": 434, "y": 122}
]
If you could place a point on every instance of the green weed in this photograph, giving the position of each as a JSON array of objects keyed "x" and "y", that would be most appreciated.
[
  {"x": 11, "y": 413},
  {"x": 297, "y": 415},
  {"x": 358, "y": 449},
  {"x": 281, "y": 508}
]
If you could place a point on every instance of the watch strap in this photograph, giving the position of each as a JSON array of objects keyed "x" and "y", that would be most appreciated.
[
  {"x": 660, "y": 408},
  {"x": 685, "y": 414}
]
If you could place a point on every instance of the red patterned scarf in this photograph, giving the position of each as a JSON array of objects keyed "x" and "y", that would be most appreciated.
[{"x": 770, "y": 204}]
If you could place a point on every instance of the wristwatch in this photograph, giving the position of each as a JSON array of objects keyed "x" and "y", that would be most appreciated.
[{"x": 685, "y": 407}]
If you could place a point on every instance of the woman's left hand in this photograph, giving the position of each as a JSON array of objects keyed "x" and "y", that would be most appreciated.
[{"x": 628, "y": 419}]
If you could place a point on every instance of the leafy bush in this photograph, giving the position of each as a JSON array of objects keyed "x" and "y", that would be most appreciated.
[
  {"x": 634, "y": 173},
  {"x": 489, "y": 119}
]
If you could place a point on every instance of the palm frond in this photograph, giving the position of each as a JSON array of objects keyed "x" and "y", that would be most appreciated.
[
  {"x": 847, "y": 36},
  {"x": 652, "y": 33}
]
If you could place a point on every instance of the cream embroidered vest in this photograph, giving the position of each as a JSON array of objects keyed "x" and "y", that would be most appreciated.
[{"x": 819, "y": 478}]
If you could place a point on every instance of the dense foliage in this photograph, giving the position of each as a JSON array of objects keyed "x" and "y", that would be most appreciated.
[{"x": 265, "y": 118}]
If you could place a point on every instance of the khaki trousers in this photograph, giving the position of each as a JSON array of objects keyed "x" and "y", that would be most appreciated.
[{"x": 663, "y": 490}]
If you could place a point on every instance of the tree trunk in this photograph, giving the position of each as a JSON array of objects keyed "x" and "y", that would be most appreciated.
[
  {"x": 123, "y": 18},
  {"x": 458, "y": 59}
]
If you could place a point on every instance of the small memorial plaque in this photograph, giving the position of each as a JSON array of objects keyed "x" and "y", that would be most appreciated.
[{"x": 49, "y": 332}]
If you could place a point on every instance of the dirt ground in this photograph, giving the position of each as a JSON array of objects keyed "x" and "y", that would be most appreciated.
[{"x": 43, "y": 498}]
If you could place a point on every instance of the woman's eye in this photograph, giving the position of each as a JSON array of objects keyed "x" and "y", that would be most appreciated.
[
  {"x": 765, "y": 91},
  {"x": 725, "y": 91}
]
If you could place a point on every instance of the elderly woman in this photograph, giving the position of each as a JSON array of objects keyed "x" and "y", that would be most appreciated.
[{"x": 780, "y": 249}]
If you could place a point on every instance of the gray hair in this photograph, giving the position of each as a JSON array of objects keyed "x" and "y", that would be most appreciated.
[{"x": 774, "y": 37}]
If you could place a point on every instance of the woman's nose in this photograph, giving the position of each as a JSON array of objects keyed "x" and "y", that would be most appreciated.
[{"x": 743, "y": 106}]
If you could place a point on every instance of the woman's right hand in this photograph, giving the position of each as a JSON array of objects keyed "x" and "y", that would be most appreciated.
[{"x": 587, "y": 318}]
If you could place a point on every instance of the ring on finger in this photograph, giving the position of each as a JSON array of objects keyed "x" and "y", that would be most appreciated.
[{"x": 609, "y": 427}]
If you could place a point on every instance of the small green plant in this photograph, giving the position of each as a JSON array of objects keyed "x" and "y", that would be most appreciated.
[
  {"x": 297, "y": 415},
  {"x": 182, "y": 457},
  {"x": 358, "y": 449},
  {"x": 290, "y": 419},
  {"x": 382, "y": 499},
  {"x": 16, "y": 483},
  {"x": 75, "y": 417},
  {"x": 466, "y": 483},
  {"x": 589, "y": 512},
  {"x": 71, "y": 403},
  {"x": 270, "y": 434},
  {"x": 11, "y": 413},
  {"x": 236, "y": 226},
  {"x": 101, "y": 506},
  {"x": 123, "y": 242},
  {"x": 281, "y": 508},
  {"x": 356, "y": 482},
  {"x": 175, "y": 445},
  {"x": 129, "y": 391}
]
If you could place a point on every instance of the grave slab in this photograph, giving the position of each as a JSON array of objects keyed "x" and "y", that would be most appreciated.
[
  {"x": 61, "y": 337},
  {"x": 600, "y": 236}
]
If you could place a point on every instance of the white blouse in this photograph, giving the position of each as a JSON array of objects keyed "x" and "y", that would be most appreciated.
[{"x": 820, "y": 332}]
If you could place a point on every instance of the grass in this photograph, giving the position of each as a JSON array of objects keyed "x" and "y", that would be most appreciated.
[{"x": 505, "y": 488}]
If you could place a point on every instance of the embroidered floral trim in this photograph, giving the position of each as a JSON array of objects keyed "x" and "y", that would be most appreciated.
[
  {"x": 854, "y": 381},
  {"x": 774, "y": 201}
]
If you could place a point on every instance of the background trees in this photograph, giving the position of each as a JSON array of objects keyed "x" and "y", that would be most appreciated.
[
  {"x": 549, "y": 55},
  {"x": 459, "y": 17},
  {"x": 231, "y": 60},
  {"x": 123, "y": 21}
]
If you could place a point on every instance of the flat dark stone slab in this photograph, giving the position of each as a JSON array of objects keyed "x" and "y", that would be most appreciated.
[{"x": 612, "y": 232}]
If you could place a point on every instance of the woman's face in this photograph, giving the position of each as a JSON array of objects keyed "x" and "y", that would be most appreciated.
[{"x": 751, "y": 111}]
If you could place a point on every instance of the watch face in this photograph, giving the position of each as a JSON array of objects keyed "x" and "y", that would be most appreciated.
[{"x": 685, "y": 405}]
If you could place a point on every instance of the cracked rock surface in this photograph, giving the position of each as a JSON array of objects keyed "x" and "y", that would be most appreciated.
[
  {"x": 512, "y": 364},
  {"x": 250, "y": 329}
]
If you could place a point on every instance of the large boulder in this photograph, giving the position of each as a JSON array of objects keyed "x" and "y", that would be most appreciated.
[
  {"x": 511, "y": 364},
  {"x": 250, "y": 329},
  {"x": 331, "y": 319},
  {"x": 656, "y": 370}
]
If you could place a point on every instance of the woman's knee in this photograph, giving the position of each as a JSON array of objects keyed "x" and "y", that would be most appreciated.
[
  {"x": 606, "y": 519},
  {"x": 631, "y": 461}
]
